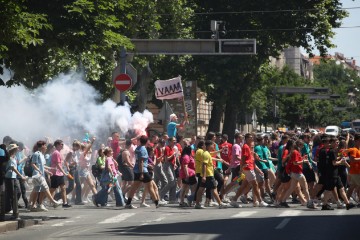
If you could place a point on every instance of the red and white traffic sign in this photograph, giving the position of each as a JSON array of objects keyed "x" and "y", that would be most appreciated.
[{"x": 123, "y": 82}]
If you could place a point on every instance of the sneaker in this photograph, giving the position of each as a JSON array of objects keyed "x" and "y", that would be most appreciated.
[
  {"x": 226, "y": 200},
  {"x": 310, "y": 205},
  {"x": 223, "y": 205},
  {"x": 235, "y": 204},
  {"x": 42, "y": 208},
  {"x": 199, "y": 206},
  {"x": 263, "y": 204},
  {"x": 256, "y": 204},
  {"x": 135, "y": 198},
  {"x": 33, "y": 209},
  {"x": 243, "y": 199},
  {"x": 56, "y": 204},
  {"x": 93, "y": 199},
  {"x": 213, "y": 204},
  {"x": 144, "y": 205},
  {"x": 163, "y": 203},
  {"x": 349, "y": 206},
  {"x": 130, "y": 206},
  {"x": 341, "y": 205},
  {"x": 66, "y": 205},
  {"x": 284, "y": 205},
  {"x": 327, "y": 207},
  {"x": 184, "y": 204}
]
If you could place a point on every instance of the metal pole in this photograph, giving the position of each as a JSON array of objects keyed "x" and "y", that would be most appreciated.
[{"x": 122, "y": 70}]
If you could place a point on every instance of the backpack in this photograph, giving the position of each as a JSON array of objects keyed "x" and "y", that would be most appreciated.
[
  {"x": 28, "y": 169},
  {"x": 119, "y": 160},
  {"x": 95, "y": 170}
]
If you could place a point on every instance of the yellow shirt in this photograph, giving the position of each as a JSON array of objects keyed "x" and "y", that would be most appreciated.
[
  {"x": 198, "y": 160},
  {"x": 207, "y": 159}
]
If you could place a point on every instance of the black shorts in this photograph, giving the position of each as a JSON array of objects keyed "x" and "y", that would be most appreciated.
[
  {"x": 332, "y": 182},
  {"x": 284, "y": 177},
  {"x": 210, "y": 183},
  {"x": 235, "y": 172},
  {"x": 266, "y": 173},
  {"x": 322, "y": 179},
  {"x": 57, "y": 181},
  {"x": 224, "y": 169},
  {"x": 147, "y": 177},
  {"x": 191, "y": 180},
  {"x": 127, "y": 174},
  {"x": 309, "y": 175}
]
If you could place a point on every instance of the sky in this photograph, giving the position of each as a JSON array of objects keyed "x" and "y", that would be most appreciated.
[{"x": 347, "y": 39}]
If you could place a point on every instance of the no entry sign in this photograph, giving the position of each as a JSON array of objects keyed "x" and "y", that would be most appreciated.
[{"x": 123, "y": 82}]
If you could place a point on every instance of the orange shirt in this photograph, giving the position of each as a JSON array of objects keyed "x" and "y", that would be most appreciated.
[{"x": 354, "y": 165}]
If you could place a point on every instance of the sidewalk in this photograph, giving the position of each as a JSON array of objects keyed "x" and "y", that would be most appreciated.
[{"x": 23, "y": 222}]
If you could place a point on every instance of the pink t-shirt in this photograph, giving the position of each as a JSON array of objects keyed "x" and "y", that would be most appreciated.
[
  {"x": 55, "y": 159},
  {"x": 110, "y": 162},
  {"x": 190, "y": 162},
  {"x": 235, "y": 153}
]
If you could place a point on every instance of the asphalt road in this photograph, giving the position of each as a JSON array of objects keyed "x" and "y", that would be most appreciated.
[{"x": 171, "y": 222}]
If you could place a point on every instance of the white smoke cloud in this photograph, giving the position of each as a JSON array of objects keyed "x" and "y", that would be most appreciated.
[{"x": 66, "y": 106}]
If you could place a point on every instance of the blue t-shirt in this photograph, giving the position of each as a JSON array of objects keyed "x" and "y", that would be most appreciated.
[
  {"x": 39, "y": 160},
  {"x": 171, "y": 129},
  {"x": 9, "y": 172},
  {"x": 141, "y": 155},
  {"x": 2, "y": 152},
  {"x": 19, "y": 156}
]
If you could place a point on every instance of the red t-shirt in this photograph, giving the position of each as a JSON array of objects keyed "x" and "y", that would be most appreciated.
[
  {"x": 226, "y": 153},
  {"x": 249, "y": 157},
  {"x": 179, "y": 148},
  {"x": 168, "y": 152},
  {"x": 296, "y": 157},
  {"x": 114, "y": 144}
]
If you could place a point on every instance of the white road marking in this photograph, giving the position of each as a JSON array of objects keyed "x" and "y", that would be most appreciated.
[
  {"x": 290, "y": 213},
  {"x": 283, "y": 223},
  {"x": 118, "y": 218},
  {"x": 244, "y": 214},
  {"x": 155, "y": 220},
  {"x": 58, "y": 224}
]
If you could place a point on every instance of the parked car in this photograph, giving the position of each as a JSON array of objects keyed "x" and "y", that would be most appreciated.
[{"x": 333, "y": 130}]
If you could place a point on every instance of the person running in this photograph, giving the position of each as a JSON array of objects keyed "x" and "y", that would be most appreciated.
[
  {"x": 57, "y": 179},
  {"x": 187, "y": 174},
  {"x": 126, "y": 167},
  {"x": 332, "y": 177},
  {"x": 38, "y": 164},
  {"x": 207, "y": 177},
  {"x": 248, "y": 167},
  {"x": 141, "y": 174},
  {"x": 159, "y": 155},
  {"x": 296, "y": 162},
  {"x": 225, "y": 154}
]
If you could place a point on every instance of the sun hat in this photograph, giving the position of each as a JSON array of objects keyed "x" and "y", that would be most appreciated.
[{"x": 12, "y": 146}]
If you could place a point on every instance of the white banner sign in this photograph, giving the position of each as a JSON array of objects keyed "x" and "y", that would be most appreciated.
[{"x": 169, "y": 89}]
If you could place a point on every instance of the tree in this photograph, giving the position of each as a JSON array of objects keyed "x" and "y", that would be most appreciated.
[{"x": 276, "y": 25}]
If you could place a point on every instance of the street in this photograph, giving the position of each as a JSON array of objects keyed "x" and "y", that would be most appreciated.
[{"x": 89, "y": 222}]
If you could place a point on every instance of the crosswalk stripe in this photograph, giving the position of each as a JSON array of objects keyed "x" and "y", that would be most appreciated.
[
  {"x": 118, "y": 218},
  {"x": 244, "y": 214},
  {"x": 289, "y": 213}
]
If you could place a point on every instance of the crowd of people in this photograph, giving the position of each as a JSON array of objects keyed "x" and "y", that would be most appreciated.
[{"x": 316, "y": 171}]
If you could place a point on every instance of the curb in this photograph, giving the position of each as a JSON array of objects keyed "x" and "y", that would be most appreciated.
[{"x": 8, "y": 226}]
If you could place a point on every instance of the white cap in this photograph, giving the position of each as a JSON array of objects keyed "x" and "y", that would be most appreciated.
[{"x": 172, "y": 116}]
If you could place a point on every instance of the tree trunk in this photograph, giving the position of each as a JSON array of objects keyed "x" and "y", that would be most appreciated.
[
  {"x": 230, "y": 119},
  {"x": 216, "y": 114}
]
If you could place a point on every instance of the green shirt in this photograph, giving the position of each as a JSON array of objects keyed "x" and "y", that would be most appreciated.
[
  {"x": 279, "y": 157},
  {"x": 260, "y": 152},
  {"x": 101, "y": 161},
  {"x": 306, "y": 151}
]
